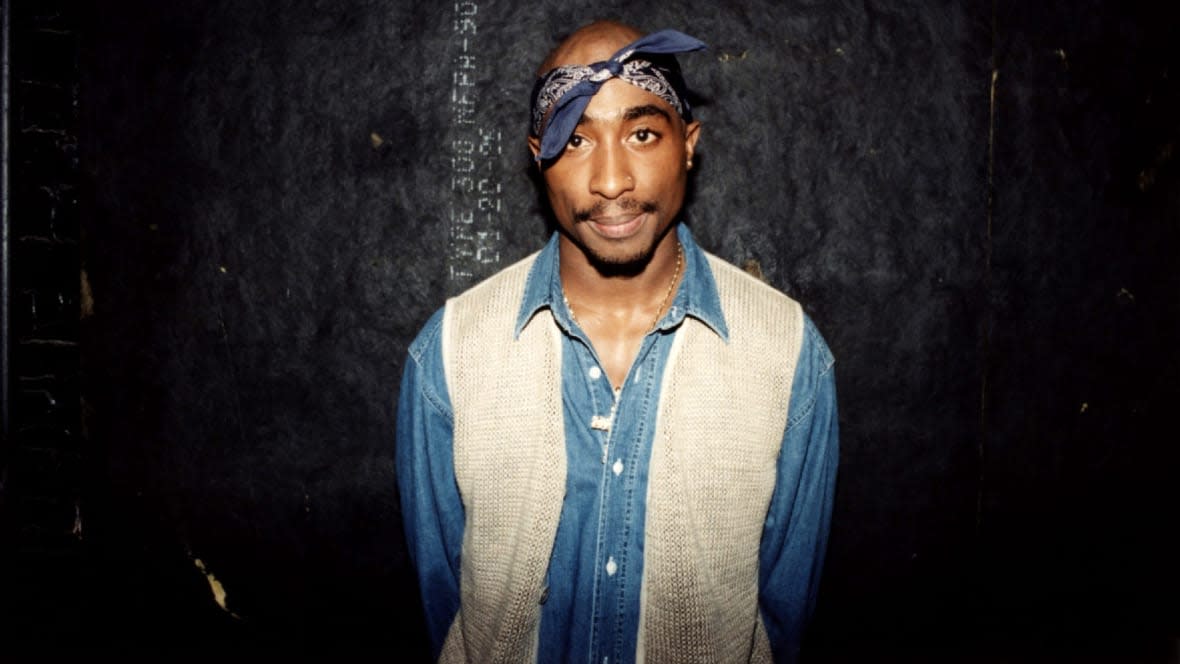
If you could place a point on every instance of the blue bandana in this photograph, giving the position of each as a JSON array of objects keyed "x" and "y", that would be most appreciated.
[{"x": 562, "y": 94}]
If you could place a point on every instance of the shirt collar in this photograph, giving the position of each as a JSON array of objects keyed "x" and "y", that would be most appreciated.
[{"x": 696, "y": 298}]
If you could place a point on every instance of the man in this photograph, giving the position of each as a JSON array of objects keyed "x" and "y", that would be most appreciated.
[{"x": 621, "y": 448}]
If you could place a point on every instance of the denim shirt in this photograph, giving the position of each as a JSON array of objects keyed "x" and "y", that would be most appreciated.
[{"x": 591, "y": 603}]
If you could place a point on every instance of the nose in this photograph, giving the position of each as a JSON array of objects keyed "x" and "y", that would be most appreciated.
[{"x": 611, "y": 171}]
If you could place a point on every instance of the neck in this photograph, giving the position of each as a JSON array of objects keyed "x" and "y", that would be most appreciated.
[{"x": 619, "y": 294}]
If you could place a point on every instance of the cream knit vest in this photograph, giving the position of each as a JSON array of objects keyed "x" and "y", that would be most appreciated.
[{"x": 723, "y": 408}]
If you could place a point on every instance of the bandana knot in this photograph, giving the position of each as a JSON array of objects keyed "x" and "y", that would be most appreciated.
[{"x": 605, "y": 73}]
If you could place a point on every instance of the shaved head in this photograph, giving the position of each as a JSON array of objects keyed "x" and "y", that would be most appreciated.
[{"x": 592, "y": 43}]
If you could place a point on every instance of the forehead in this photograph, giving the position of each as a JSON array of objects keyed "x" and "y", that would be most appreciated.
[{"x": 618, "y": 97}]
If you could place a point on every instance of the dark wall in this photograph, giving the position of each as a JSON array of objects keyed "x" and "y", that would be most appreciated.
[
  {"x": 1078, "y": 492},
  {"x": 42, "y": 456},
  {"x": 977, "y": 202}
]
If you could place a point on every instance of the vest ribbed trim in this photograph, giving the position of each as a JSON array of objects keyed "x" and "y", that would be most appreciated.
[{"x": 722, "y": 412}]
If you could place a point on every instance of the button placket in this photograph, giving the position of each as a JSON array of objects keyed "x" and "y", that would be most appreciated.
[{"x": 600, "y": 422}]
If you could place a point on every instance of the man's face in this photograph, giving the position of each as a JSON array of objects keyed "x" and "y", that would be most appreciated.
[{"x": 619, "y": 184}]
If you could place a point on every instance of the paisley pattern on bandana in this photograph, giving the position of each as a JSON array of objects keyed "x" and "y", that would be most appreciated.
[{"x": 640, "y": 73}]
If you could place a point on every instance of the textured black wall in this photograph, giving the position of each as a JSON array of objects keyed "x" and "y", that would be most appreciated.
[
  {"x": 977, "y": 203},
  {"x": 42, "y": 459}
]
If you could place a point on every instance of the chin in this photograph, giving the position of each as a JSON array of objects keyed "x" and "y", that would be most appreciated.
[
  {"x": 623, "y": 261},
  {"x": 620, "y": 268}
]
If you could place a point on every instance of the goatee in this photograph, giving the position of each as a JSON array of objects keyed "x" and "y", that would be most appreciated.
[{"x": 619, "y": 266}]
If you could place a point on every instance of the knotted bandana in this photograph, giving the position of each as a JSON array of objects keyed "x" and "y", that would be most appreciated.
[{"x": 562, "y": 94}]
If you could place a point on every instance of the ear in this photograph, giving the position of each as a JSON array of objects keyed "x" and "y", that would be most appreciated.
[
  {"x": 534, "y": 146},
  {"x": 692, "y": 131}
]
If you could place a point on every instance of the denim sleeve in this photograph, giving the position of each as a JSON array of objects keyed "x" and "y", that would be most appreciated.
[
  {"x": 432, "y": 510},
  {"x": 796, "y": 533}
]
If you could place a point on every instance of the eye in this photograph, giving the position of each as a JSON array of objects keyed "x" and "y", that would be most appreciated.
[
  {"x": 644, "y": 135},
  {"x": 575, "y": 141}
]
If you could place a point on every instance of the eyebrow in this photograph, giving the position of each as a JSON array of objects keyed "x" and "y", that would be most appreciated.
[
  {"x": 634, "y": 113},
  {"x": 644, "y": 111}
]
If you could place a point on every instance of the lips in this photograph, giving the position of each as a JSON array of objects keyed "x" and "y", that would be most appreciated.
[{"x": 619, "y": 226}]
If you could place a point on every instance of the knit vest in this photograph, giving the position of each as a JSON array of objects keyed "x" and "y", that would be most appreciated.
[{"x": 719, "y": 427}]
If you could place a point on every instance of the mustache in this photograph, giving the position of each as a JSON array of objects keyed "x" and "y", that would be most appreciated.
[{"x": 629, "y": 205}]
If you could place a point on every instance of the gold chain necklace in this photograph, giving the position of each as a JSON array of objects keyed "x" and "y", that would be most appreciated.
[{"x": 667, "y": 293}]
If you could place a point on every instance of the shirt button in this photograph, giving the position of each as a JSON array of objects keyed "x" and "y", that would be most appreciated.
[
  {"x": 595, "y": 373},
  {"x": 611, "y": 566},
  {"x": 618, "y": 467}
]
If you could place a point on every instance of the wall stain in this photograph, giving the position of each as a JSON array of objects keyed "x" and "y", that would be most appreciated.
[{"x": 215, "y": 587}]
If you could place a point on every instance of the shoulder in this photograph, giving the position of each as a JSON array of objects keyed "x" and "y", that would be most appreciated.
[
  {"x": 815, "y": 380},
  {"x": 753, "y": 308},
  {"x": 512, "y": 279},
  {"x": 733, "y": 281},
  {"x": 425, "y": 346},
  {"x": 423, "y": 377},
  {"x": 815, "y": 348},
  {"x": 491, "y": 306},
  {"x": 746, "y": 296}
]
